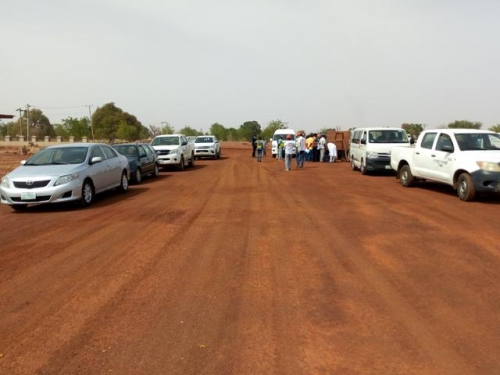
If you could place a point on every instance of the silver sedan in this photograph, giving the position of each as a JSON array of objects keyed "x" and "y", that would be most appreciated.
[{"x": 63, "y": 173}]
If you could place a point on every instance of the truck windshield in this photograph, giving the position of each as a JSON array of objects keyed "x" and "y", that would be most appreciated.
[
  {"x": 478, "y": 141},
  {"x": 165, "y": 141}
]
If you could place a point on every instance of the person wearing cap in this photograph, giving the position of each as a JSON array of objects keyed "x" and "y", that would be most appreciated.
[{"x": 289, "y": 147}]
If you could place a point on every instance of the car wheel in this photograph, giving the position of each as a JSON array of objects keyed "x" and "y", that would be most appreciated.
[
  {"x": 19, "y": 207},
  {"x": 218, "y": 154},
  {"x": 181, "y": 165},
  {"x": 123, "y": 183},
  {"x": 191, "y": 162},
  {"x": 156, "y": 172},
  {"x": 353, "y": 166},
  {"x": 405, "y": 176},
  {"x": 87, "y": 194},
  {"x": 466, "y": 190},
  {"x": 138, "y": 176},
  {"x": 362, "y": 167}
]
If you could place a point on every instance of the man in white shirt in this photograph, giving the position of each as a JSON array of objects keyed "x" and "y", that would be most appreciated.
[
  {"x": 300, "y": 145},
  {"x": 289, "y": 147},
  {"x": 321, "y": 147},
  {"x": 332, "y": 151}
]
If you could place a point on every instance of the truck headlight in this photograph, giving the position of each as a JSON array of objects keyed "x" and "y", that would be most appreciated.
[
  {"x": 488, "y": 166},
  {"x": 65, "y": 179},
  {"x": 372, "y": 155},
  {"x": 174, "y": 152}
]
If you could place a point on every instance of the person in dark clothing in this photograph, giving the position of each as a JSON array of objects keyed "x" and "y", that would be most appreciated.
[{"x": 254, "y": 145}]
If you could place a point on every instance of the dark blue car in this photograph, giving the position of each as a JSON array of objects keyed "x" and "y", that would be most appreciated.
[{"x": 142, "y": 158}]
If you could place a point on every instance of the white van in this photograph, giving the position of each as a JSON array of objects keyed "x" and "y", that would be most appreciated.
[
  {"x": 370, "y": 148},
  {"x": 283, "y": 133}
]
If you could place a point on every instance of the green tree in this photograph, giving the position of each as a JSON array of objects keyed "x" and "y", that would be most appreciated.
[
  {"x": 495, "y": 128},
  {"x": 271, "y": 127},
  {"x": 167, "y": 129},
  {"x": 187, "y": 131},
  {"x": 219, "y": 131},
  {"x": 78, "y": 128},
  {"x": 232, "y": 134},
  {"x": 108, "y": 118},
  {"x": 61, "y": 131},
  {"x": 144, "y": 133},
  {"x": 10, "y": 128},
  {"x": 464, "y": 124},
  {"x": 413, "y": 129},
  {"x": 39, "y": 124},
  {"x": 248, "y": 129},
  {"x": 126, "y": 131}
]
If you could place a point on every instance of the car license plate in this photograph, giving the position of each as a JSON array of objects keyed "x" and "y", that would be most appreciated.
[{"x": 28, "y": 195}]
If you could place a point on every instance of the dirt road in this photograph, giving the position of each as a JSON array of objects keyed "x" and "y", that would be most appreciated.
[{"x": 238, "y": 267}]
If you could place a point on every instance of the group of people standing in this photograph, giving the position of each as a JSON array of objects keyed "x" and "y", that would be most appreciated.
[{"x": 312, "y": 148}]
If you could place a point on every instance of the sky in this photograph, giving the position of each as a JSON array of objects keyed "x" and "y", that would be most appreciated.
[{"x": 313, "y": 64}]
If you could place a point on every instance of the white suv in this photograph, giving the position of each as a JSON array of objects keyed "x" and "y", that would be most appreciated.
[
  {"x": 207, "y": 146},
  {"x": 173, "y": 150}
]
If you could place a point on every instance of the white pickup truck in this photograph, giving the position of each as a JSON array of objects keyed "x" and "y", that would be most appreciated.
[
  {"x": 466, "y": 159},
  {"x": 173, "y": 150}
]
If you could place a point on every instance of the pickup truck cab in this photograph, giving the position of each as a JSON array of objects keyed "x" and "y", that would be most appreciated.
[
  {"x": 466, "y": 159},
  {"x": 173, "y": 150}
]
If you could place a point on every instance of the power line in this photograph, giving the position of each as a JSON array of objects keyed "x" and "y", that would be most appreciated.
[{"x": 69, "y": 107}]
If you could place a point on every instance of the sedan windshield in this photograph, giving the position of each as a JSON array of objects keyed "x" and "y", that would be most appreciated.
[
  {"x": 126, "y": 150},
  {"x": 56, "y": 155},
  {"x": 165, "y": 141}
]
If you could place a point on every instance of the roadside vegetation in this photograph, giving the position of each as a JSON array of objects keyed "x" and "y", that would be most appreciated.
[{"x": 110, "y": 122}]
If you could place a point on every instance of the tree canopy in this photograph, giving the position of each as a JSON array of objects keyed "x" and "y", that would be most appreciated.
[
  {"x": 111, "y": 122},
  {"x": 464, "y": 124},
  {"x": 249, "y": 129},
  {"x": 271, "y": 127},
  {"x": 413, "y": 129},
  {"x": 495, "y": 128}
]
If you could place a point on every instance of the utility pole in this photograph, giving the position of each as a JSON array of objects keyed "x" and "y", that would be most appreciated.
[
  {"x": 20, "y": 121},
  {"x": 27, "y": 122},
  {"x": 90, "y": 119}
]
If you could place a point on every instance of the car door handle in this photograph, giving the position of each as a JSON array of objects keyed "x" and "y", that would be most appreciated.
[{"x": 433, "y": 155}]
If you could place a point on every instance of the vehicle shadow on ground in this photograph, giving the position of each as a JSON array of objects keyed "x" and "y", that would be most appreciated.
[
  {"x": 104, "y": 199},
  {"x": 448, "y": 190},
  {"x": 212, "y": 160}
]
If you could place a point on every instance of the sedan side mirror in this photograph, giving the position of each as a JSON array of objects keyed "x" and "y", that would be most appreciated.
[{"x": 95, "y": 159}]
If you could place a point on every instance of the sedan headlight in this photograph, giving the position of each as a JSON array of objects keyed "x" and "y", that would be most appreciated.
[
  {"x": 65, "y": 179},
  {"x": 5, "y": 182},
  {"x": 488, "y": 166}
]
